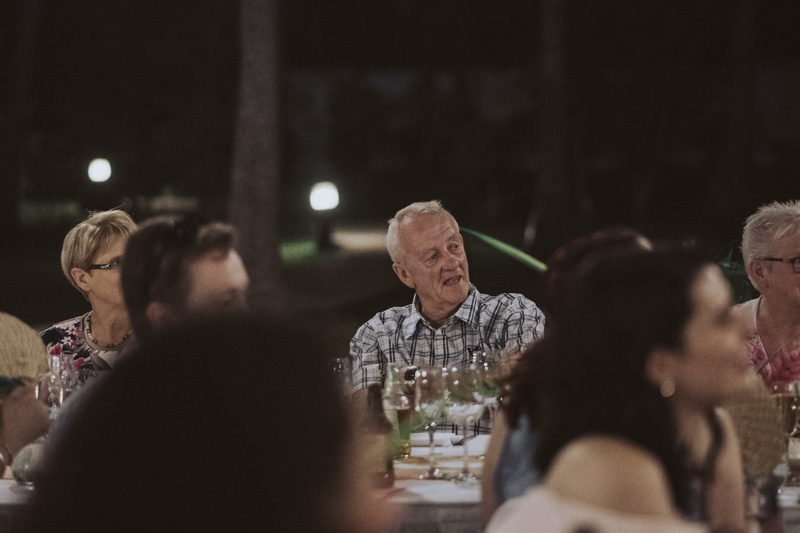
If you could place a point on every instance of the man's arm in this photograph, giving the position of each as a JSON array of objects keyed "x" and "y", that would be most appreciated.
[
  {"x": 368, "y": 360},
  {"x": 524, "y": 325}
]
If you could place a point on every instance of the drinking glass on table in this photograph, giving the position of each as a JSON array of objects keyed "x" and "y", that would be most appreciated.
[
  {"x": 494, "y": 367},
  {"x": 397, "y": 406},
  {"x": 342, "y": 368},
  {"x": 62, "y": 378},
  {"x": 465, "y": 407},
  {"x": 787, "y": 398},
  {"x": 430, "y": 406}
]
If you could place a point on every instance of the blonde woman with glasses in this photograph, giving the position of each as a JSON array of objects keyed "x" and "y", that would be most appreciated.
[{"x": 91, "y": 259}]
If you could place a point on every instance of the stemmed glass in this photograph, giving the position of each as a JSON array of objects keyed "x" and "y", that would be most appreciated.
[
  {"x": 62, "y": 378},
  {"x": 430, "y": 406},
  {"x": 342, "y": 368},
  {"x": 465, "y": 406},
  {"x": 787, "y": 397},
  {"x": 494, "y": 368}
]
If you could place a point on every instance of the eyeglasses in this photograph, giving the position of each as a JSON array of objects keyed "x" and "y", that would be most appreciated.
[
  {"x": 114, "y": 264},
  {"x": 794, "y": 261}
]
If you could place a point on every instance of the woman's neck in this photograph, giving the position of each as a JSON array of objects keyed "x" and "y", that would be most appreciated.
[
  {"x": 109, "y": 323},
  {"x": 693, "y": 431}
]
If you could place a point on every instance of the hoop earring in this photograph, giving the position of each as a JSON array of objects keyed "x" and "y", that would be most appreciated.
[{"x": 667, "y": 388}]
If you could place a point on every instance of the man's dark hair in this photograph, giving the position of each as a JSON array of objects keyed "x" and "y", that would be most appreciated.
[{"x": 154, "y": 267}]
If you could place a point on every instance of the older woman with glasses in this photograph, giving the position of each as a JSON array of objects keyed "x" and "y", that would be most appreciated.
[
  {"x": 91, "y": 258},
  {"x": 771, "y": 251}
]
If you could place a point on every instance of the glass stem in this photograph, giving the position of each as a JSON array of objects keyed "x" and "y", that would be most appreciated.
[
  {"x": 432, "y": 453},
  {"x": 465, "y": 471}
]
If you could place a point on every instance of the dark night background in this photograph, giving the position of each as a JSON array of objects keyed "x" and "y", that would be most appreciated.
[{"x": 678, "y": 118}]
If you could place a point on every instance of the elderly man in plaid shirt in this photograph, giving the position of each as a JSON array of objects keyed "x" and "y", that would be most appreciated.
[{"x": 448, "y": 316}]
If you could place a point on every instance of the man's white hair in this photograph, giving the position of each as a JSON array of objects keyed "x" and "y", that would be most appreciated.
[
  {"x": 765, "y": 227},
  {"x": 404, "y": 217}
]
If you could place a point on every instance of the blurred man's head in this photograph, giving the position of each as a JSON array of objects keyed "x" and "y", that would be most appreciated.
[
  {"x": 176, "y": 269},
  {"x": 209, "y": 440}
]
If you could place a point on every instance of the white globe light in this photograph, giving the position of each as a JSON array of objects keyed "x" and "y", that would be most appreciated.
[
  {"x": 99, "y": 170},
  {"x": 324, "y": 196}
]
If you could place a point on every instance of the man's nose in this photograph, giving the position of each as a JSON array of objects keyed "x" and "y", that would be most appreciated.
[{"x": 450, "y": 261}]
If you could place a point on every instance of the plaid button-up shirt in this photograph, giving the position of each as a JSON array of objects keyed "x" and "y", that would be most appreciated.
[{"x": 401, "y": 335}]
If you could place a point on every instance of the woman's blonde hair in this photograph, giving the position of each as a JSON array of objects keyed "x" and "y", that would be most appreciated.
[{"x": 87, "y": 239}]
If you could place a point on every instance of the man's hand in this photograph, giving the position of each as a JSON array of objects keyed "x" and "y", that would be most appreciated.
[
  {"x": 513, "y": 355},
  {"x": 25, "y": 418}
]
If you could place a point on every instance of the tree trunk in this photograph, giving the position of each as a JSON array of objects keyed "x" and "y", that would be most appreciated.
[
  {"x": 256, "y": 156},
  {"x": 14, "y": 117},
  {"x": 731, "y": 189},
  {"x": 553, "y": 210}
]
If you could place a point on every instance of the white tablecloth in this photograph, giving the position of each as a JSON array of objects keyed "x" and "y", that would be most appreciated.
[
  {"x": 12, "y": 497},
  {"x": 436, "y": 507}
]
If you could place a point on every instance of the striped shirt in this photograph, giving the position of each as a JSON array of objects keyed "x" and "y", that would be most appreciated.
[{"x": 402, "y": 335}]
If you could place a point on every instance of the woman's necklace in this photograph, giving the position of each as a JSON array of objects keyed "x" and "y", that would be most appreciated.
[{"x": 101, "y": 344}]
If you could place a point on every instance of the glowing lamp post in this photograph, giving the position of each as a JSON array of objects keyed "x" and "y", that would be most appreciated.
[
  {"x": 324, "y": 199},
  {"x": 99, "y": 170}
]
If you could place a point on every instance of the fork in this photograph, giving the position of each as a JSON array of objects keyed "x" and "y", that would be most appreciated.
[{"x": 457, "y": 440}]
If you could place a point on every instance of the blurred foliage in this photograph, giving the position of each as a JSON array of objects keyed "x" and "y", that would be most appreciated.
[{"x": 733, "y": 268}]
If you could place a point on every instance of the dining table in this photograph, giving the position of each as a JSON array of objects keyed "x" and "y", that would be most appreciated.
[
  {"x": 430, "y": 506},
  {"x": 13, "y": 497},
  {"x": 438, "y": 505}
]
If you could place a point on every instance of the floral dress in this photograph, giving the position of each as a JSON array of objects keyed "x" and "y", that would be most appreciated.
[
  {"x": 778, "y": 368},
  {"x": 67, "y": 338},
  {"x": 784, "y": 365}
]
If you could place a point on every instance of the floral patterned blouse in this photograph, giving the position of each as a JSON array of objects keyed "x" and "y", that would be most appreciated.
[
  {"x": 781, "y": 367},
  {"x": 67, "y": 337}
]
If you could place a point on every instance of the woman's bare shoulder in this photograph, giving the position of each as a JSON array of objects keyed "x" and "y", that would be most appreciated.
[{"x": 612, "y": 473}]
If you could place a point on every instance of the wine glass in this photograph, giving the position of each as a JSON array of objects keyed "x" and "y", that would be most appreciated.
[
  {"x": 787, "y": 397},
  {"x": 397, "y": 407},
  {"x": 494, "y": 367},
  {"x": 465, "y": 406},
  {"x": 786, "y": 394},
  {"x": 342, "y": 368},
  {"x": 430, "y": 406},
  {"x": 62, "y": 378}
]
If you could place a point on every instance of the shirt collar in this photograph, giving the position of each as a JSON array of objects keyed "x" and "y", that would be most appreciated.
[{"x": 467, "y": 312}]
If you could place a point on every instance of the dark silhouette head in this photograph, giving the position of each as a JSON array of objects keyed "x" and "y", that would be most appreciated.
[
  {"x": 157, "y": 273},
  {"x": 620, "y": 310},
  {"x": 228, "y": 425}
]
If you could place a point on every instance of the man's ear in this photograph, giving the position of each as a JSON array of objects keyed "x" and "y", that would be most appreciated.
[
  {"x": 403, "y": 274},
  {"x": 158, "y": 315},
  {"x": 660, "y": 366},
  {"x": 756, "y": 270},
  {"x": 81, "y": 277}
]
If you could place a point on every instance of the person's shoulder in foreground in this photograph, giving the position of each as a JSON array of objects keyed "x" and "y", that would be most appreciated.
[{"x": 626, "y": 491}]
